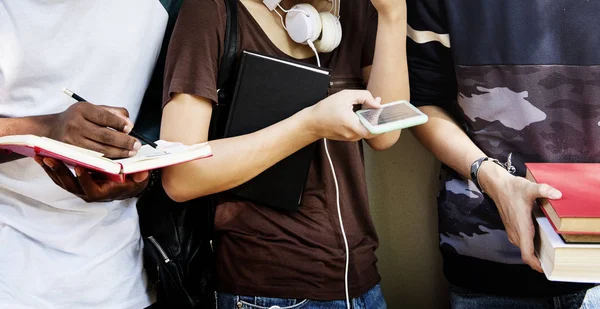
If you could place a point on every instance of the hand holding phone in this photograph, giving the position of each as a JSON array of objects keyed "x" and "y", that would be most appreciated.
[{"x": 392, "y": 116}]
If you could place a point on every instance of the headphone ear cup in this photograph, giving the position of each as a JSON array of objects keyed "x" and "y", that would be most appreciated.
[
  {"x": 331, "y": 33},
  {"x": 303, "y": 23}
]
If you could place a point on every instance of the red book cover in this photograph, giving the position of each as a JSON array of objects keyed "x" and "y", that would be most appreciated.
[{"x": 580, "y": 187}]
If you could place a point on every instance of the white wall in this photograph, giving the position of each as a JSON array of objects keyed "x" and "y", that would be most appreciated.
[{"x": 402, "y": 188}]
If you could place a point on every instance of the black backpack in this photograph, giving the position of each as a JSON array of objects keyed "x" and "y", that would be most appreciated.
[{"x": 178, "y": 254}]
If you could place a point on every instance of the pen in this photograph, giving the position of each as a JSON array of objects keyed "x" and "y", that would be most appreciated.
[{"x": 133, "y": 133}]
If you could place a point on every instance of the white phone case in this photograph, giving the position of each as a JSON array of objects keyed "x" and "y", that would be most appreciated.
[{"x": 418, "y": 119}]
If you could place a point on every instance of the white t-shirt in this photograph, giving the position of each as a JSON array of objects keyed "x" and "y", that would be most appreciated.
[{"x": 56, "y": 251}]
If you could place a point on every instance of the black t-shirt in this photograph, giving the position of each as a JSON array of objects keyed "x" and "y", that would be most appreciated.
[{"x": 520, "y": 77}]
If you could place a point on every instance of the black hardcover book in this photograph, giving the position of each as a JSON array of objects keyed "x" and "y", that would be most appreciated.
[{"x": 269, "y": 90}]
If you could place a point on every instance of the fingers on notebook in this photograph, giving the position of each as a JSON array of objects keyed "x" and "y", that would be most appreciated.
[
  {"x": 526, "y": 244},
  {"x": 87, "y": 187},
  {"x": 60, "y": 174}
]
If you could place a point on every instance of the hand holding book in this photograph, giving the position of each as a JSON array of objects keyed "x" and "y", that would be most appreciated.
[
  {"x": 515, "y": 198},
  {"x": 89, "y": 188},
  {"x": 111, "y": 129},
  {"x": 127, "y": 176},
  {"x": 568, "y": 240},
  {"x": 97, "y": 178}
]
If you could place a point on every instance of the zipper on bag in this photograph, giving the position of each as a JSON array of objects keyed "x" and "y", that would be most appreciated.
[
  {"x": 161, "y": 251},
  {"x": 172, "y": 268}
]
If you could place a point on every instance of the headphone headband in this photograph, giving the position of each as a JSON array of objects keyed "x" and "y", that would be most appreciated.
[
  {"x": 336, "y": 11},
  {"x": 272, "y": 5},
  {"x": 305, "y": 25}
]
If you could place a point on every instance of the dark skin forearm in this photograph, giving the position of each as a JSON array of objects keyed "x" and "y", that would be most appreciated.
[{"x": 37, "y": 125}]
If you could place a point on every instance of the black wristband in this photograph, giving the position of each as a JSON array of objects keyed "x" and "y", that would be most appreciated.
[
  {"x": 475, "y": 170},
  {"x": 154, "y": 178}
]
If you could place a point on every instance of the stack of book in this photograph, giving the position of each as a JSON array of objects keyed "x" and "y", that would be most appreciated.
[{"x": 568, "y": 229}]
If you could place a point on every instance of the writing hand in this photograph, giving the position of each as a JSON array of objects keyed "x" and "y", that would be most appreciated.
[{"x": 100, "y": 128}]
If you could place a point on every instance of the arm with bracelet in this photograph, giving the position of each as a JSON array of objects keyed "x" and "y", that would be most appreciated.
[
  {"x": 514, "y": 196},
  {"x": 434, "y": 90}
]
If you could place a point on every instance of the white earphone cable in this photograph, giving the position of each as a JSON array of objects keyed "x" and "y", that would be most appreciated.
[
  {"x": 314, "y": 49},
  {"x": 339, "y": 209},
  {"x": 337, "y": 201}
]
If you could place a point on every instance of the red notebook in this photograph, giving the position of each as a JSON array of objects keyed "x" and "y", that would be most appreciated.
[
  {"x": 578, "y": 211},
  {"x": 147, "y": 157}
]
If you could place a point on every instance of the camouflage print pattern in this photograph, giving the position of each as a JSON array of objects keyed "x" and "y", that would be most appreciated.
[{"x": 546, "y": 113}]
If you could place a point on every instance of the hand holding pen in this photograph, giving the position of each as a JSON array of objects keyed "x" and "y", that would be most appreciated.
[
  {"x": 98, "y": 128},
  {"x": 130, "y": 131}
]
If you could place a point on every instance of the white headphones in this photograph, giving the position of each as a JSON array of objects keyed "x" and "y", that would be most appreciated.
[{"x": 305, "y": 25}]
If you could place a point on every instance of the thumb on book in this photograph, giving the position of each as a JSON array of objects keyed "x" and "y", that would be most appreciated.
[
  {"x": 547, "y": 191},
  {"x": 140, "y": 177}
]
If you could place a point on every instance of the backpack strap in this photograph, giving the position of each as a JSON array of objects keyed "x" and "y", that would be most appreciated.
[
  {"x": 231, "y": 42},
  {"x": 148, "y": 121},
  {"x": 226, "y": 80},
  {"x": 150, "y": 113}
]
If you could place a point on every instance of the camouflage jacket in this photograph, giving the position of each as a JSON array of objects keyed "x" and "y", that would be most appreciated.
[{"x": 521, "y": 77}]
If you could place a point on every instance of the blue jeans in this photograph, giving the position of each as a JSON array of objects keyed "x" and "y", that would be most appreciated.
[
  {"x": 592, "y": 299},
  {"x": 465, "y": 299},
  {"x": 373, "y": 299}
]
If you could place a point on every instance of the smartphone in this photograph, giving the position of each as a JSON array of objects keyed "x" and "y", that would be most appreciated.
[{"x": 392, "y": 116}]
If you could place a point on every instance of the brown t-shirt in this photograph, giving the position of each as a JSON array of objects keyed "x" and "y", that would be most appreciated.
[{"x": 261, "y": 251}]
